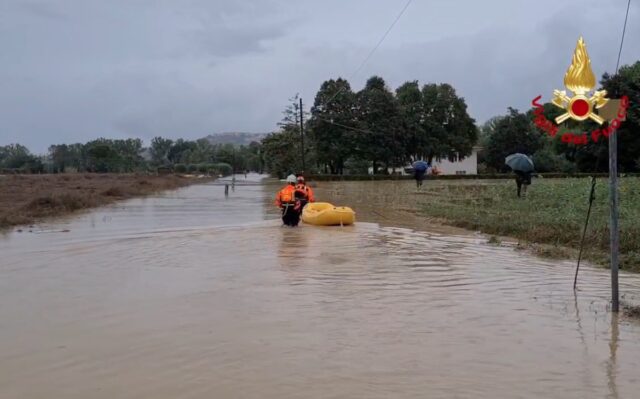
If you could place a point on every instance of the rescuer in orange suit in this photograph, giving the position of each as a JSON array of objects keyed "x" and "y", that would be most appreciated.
[
  {"x": 289, "y": 199},
  {"x": 301, "y": 186}
]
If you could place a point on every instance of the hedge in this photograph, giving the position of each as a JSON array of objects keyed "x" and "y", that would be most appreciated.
[{"x": 453, "y": 177}]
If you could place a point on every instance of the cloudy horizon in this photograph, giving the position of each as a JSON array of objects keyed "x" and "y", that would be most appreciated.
[{"x": 73, "y": 71}]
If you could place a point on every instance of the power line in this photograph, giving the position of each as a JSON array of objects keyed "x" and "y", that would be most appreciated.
[
  {"x": 373, "y": 50},
  {"x": 362, "y": 64},
  {"x": 355, "y": 129},
  {"x": 624, "y": 29}
]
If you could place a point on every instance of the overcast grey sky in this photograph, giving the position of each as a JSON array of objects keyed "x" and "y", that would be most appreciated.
[{"x": 75, "y": 70}]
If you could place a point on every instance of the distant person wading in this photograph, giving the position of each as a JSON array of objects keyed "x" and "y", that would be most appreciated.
[
  {"x": 523, "y": 168},
  {"x": 523, "y": 180},
  {"x": 419, "y": 171}
]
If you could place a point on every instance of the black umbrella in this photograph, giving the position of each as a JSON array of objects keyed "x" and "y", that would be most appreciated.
[{"x": 519, "y": 162}]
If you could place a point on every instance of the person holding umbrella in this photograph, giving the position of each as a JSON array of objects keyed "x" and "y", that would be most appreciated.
[
  {"x": 419, "y": 170},
  {"x": 523, "y": 167}
]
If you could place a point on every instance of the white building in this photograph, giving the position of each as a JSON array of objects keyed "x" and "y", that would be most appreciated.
[{"x": 463, "y": 166}]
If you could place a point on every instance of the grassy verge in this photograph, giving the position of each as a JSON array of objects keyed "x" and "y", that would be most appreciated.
[
  {"x": 486, "y": 176},
  {"x": 25, "y": 199},
  {"x": 553, "y": 213}
]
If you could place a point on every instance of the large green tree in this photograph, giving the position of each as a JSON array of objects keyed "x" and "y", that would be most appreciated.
[
  {"x": 380, "y": 139},
  {"x": 450, "y": 131},
  {"x": 332, "y": 124},
  {"x": 512, "y": 133},
  {"x": 281, "y": 152},
  {"x": 253, "y": 156},
  {"x": 414, "y": 137},
  {"x": 627, "y": 82},
  {"x": 102, "y": 156},
  {"x": 129, "y": 154},
  {"x": 18, "y": 157},
  {"x": 291, "y": 122},
  {"x": 160, "y": 148},
  {"x": 60, "y": 157},
  {"x": 181, "y": 151}
]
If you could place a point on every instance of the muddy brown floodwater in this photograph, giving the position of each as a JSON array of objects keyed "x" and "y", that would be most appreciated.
[{"x": 193, "y": 295}]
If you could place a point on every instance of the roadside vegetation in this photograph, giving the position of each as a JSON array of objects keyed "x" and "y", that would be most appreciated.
[
  {"x": 127, "y": 156},
  {"x": 26, "y": 199},
  {"x": 552, "y": 213}
]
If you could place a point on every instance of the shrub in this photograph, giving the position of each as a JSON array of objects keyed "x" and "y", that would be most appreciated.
[
  {"x": 223, "y": 169},
  {"x": 51, "y": 203},
  {"x": 357, "y": 166},
  {"x": 113, "y": 192},
  {"x": 547, "y": 161}
]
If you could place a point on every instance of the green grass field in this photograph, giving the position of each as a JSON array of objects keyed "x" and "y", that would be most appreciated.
[{"x": 553, "y": 212}]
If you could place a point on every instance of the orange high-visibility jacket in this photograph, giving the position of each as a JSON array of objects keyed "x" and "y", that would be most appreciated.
[
  {"x": 306, "y": 189},
  {"x": 286, "y": 195}
]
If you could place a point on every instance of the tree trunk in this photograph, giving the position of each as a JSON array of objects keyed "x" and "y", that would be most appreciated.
[{"x": 332, "y": 166}]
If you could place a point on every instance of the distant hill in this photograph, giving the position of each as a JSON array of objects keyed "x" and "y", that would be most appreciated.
[{"x": 235, "y": 138}]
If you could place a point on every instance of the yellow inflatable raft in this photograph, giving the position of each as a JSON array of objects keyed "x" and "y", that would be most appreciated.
[{"x": 325, "y": 214}]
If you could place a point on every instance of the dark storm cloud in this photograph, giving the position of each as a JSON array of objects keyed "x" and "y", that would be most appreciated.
[{"x": 76, "y": 70}]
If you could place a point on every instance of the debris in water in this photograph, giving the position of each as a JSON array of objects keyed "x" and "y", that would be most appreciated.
[{"x": 631, "y": 311}]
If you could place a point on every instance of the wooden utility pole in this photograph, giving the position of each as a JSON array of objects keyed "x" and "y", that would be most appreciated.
[
  {"x": 302, "y": 136},
  {"x": 613, "y": 218}
]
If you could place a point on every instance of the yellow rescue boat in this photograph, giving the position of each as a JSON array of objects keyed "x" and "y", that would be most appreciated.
[{"x": 325, "y": 214}]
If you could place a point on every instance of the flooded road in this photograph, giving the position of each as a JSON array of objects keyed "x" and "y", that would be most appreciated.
[{"x": 194, "y": 295}]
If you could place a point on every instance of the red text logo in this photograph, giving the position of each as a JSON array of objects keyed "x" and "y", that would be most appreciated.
[{"x": 578, "y": 138}]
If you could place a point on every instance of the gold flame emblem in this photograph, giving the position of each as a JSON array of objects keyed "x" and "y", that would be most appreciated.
[{"x": 580, "y": 80}]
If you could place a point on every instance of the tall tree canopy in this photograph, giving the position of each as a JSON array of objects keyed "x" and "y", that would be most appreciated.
[
  {"x": 411, "y": 107},
  {"x": 332, "y": 116},
  {"x": 450, "y": 130},
  {"x": 160, "y": 148},
  {"x": 379, "y": 116},
  {"x": 627, "y": 82},
  {"x": 380, "y": 127},
  {"x": 512, "y": 133}
]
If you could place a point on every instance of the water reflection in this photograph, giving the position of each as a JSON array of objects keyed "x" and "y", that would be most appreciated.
[
  {"x": 612, "y": 367},
  {"x": 293, "y": 246}
]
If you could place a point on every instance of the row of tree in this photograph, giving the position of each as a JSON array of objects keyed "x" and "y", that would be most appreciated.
[
  {"x": 350, "y": 132},
  {"x": 165, "y": 152},
  {"x": 121, "y": 156},
  {"x": 18, "y": 157},
  {"x": 101, "y": 155}
]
